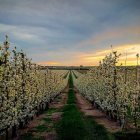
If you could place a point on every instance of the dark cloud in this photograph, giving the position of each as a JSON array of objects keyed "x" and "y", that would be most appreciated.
[{"x": 53, "y": 25}]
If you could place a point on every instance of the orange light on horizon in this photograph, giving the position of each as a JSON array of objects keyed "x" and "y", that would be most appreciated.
[
  {"x": 49, "y": 63},
  {"x": 127, "y": 51}
]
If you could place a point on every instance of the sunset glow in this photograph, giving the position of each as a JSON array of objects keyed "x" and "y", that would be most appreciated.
[
  {"x": 72, "y": 32},
  {"x": 50, "y": 63},
  {"x": 127, "y": 52}
]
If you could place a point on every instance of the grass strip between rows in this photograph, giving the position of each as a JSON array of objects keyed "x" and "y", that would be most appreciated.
[{"x": 75, "y": 126}]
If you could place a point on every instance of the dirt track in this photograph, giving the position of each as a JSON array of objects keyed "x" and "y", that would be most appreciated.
[
  {"x": 99, "y": 117},
  {"x": 51, "y": 116}
]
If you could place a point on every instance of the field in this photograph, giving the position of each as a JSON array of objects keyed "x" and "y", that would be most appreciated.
[{"x": 38, "y": 103}]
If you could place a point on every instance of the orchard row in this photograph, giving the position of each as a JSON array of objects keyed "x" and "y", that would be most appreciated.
[
  {"x": 25, "y": 89},
  {"x": 114, "y": 89}
]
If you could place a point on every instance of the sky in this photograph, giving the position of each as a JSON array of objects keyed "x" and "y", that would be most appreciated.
[{"x": 72, "y": 32}]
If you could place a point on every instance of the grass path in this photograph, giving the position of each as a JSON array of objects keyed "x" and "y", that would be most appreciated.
[
  {"x": 74, "y": 125},
  {"x": 64, "y": 121},
  {"x": 99, "y": 116}
]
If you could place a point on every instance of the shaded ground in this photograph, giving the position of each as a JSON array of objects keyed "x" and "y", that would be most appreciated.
[
  {"x": 99, "y": 117},
  {"x": 43, "y": 127}
]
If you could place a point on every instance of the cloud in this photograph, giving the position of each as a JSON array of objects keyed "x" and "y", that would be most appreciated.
[
  {"x": 120, "y": 35},
  {"x": 64, "y": 30},
  {"x": 49, "y": 63},
  {"x": 22, "y": 33},
  {"x": 127, "y": 50}
]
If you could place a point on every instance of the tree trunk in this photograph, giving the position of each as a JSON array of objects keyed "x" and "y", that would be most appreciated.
[
  {"x": 6, "y": 133},
  {"x": 14, "y": 131}
]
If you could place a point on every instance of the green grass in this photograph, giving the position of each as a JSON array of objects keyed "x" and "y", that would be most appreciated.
[
  {"x": 75, "y": 126},
  {"x": 95, "y": 131},
  {"x": 47, "y": 119},
  {"x": 41, "y": 128},
  {"x": 71, "y": 126},
  {"x": 50, "y": 111},
  {"x": 29, "y": 136},
  {"x": 71, "y": 97},
  {"x": 70, "y": 81}
]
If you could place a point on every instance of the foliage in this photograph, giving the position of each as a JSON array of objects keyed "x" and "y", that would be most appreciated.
[
  {"x": 25, "y": 88},
  {"x": 114, "y": 89}
]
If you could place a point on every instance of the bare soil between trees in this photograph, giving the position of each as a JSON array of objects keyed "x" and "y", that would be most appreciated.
[
  {"x": 98, "y": 116},
  {"x": 43, "y": 126}
]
